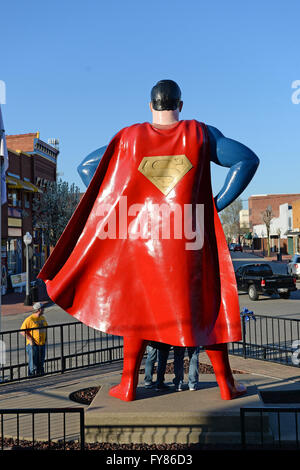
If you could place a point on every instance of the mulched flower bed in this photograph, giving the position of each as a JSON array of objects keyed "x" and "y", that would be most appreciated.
[
  {"x": 11, "y": 444},
  {"x": 86, "y": 395}
]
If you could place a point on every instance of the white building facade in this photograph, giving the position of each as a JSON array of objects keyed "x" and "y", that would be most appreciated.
[{"x": 279, "y": 227}]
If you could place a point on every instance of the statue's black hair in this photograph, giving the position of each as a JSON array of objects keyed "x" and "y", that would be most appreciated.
[{"x": 165, "y": 95}]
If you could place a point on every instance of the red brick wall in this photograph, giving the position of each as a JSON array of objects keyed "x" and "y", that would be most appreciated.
[
  {"x": 14, "y": 165},
  {"x": 22, "y": 142},
  {"x": 258, "y": 204},
  {"x": 43, "y": 168},
  {"x": 26, "y": 167},
  {"x": 20, "y": 164}
]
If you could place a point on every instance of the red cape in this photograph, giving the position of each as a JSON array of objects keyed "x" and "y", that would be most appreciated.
[{"x": 154, "y": 289}]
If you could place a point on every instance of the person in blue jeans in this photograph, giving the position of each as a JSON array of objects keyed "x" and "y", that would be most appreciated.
[
  {"x": 193, "y": 353},
  {"x": 34, "y": 329},
  {"x": 156, "y": 352},
  {"x": 36, "y": 359}
]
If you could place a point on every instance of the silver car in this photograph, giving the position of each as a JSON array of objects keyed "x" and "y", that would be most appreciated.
[{"x": 294, "y": 265}]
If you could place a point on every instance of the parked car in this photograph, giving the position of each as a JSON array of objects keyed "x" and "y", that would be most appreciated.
[
  {"x": 294, "y": 266},
  {"x": 238, "y": 247},
  {"x": 259, "y": 279},
  {"x": 235, "y": 247}
]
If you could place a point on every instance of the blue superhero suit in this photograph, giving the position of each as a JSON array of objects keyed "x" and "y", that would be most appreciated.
[{"x": 225, "y": 152}]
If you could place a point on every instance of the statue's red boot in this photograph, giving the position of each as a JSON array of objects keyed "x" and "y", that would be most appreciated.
[
  {"x": 229, "y": 387},
  {"x": 133, "y": 353}
]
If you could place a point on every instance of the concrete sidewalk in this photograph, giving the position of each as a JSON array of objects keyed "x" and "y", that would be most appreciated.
[
  {"x": 53, "y": 391},
  {"x": 285, "y": 258}
]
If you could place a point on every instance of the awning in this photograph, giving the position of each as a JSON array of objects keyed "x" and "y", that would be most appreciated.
[
  {"x": 20, "y": 184},
  {"x": 290, "y": 233}
]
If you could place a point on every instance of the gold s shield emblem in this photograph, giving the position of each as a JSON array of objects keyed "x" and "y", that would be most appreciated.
[{"x": 165, "y": 172}]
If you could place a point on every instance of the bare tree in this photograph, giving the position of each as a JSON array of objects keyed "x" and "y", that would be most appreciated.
[
  {"x": 53, "y": 208},
  {"x": 267, "y": 216},
  {"x": 278, "y": 233},
  {"x": 230, "y": 218}
]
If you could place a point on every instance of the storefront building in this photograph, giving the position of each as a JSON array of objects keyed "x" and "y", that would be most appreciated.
[
  {"x": 282, "y": 237},
  {"x": 32, "y": 163}
]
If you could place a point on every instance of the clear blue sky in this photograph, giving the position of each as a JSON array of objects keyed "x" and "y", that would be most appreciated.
[{"x": 80, "y": 71}]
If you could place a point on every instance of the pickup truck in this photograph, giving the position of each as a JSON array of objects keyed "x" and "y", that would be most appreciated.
[{"x": 259, "y": 279}]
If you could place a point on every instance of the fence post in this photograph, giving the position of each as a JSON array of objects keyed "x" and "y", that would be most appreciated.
[
  {"x": 244, "y": 336},
  {"x": 82, "y": 430},
  {"x": 63, "y": 360}
]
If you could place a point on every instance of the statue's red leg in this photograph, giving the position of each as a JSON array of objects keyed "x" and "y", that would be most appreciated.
[
  {"x": 229, "y": 388},
  {"x": 134, "y": 349}
]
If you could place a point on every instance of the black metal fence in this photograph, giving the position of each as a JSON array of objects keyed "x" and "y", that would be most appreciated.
[
  {"x": 275, "y": 339},
  {"x": 267, "y": 338},
  {"x": 64, "y": 428},
  {"x": 270, "y": 428},
  {"x": 44, "y": 428},
  {"x": 68, "y": 346}
]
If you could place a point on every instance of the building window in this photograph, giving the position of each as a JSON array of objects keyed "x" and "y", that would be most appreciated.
[
  {"x": 26, "y": 200},
  {"x": 13, "y": 199},
  {"x": 14, "y": 256}
]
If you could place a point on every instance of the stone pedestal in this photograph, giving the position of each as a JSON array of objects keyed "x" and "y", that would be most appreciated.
[{"x": 185, "y": 417}]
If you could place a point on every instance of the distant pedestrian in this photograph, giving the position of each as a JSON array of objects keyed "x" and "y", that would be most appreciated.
[{"x": 33, "y": 328}]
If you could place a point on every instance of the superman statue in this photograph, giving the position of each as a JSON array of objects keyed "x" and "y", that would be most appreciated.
[{"x": 144, "y": 255}]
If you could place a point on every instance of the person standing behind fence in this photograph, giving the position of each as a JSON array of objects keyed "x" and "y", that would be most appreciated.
[
  {"x": 193, "y": 353},
  {"x": 36, "y": 337},
  {"x": 157, "y": 352}
]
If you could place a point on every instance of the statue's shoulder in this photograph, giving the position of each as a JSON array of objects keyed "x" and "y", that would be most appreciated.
[
  {"x": 133, "y": 128},
  {"x": 193, "y": 122}
]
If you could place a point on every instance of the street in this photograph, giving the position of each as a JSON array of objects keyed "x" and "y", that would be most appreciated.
[{"x": 273, "y": 306}]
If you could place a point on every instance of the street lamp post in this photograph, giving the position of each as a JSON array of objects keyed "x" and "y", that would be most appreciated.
[{"x": 27, "y": 240}]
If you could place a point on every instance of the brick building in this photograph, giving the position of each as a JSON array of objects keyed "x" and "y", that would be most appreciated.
[
  {"x": 279, "y": 203},
  {"x": 258, "y": 204},
  {"x": 32, "y": 162}
]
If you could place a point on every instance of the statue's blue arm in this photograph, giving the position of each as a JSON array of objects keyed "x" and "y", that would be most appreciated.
[
  {"x": 240, "y": 159},
  {"x": 224, "y": 152},
  {"x": 88, "y": 166}
]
